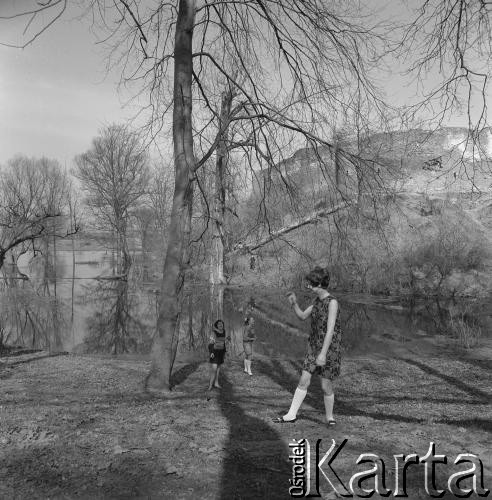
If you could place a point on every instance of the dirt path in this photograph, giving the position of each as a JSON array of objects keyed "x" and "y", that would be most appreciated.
[{"x": 79, "y": 427}]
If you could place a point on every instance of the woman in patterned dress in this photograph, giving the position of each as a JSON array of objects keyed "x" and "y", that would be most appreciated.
[{"x": 323, "y": 352}]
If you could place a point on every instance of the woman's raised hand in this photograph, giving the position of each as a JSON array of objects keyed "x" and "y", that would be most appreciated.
[{"x": 291, "y": 297}]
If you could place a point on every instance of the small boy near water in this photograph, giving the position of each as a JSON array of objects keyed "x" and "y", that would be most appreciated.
[{"x": 248, "y": 338}]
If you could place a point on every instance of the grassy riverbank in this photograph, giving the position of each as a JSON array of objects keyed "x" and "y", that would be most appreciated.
[{"x": 80, "y": 427}]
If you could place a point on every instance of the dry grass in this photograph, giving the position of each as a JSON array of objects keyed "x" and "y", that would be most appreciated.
[
  {"x": 466, "y": 335},
  {"x": 80, "y": 427}
]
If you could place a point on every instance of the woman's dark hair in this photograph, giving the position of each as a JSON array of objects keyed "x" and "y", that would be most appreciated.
[
  {"x": 319, "y": 276},
  {"x": 216, "y": 324}
]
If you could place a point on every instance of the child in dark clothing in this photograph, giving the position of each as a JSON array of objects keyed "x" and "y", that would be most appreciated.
[{"x": 216, "y": 349}]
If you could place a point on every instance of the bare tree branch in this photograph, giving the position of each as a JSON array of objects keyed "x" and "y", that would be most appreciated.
[{"x": 310, "y": 219}]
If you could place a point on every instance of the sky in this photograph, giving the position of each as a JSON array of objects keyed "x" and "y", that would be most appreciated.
[{"x": 55, "y": 94}]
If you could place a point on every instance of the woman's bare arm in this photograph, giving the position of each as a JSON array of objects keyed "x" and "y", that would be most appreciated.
[{"x": 299, "y": 312}]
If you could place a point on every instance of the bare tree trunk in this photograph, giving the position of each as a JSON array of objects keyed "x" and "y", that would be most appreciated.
[
  {"x": 217, "y": 279},
  {"x": 73, "y": 264},
  {"x": 12, "y": 272},
  {"x": 217, "y": 254},
  {"x": 55, "y": 309},
  {"x": 360, "y": 178},
  {"x": 309, "y": 219},
  {"x": 203, "y": 328},
  {"x": 191, "y": 337},
  {"x": 113, "y": 252},
  {"x": 185, "y": 263},
  {"x": 337, "y": 164},
  {"x": 216, "y": 302},
  {"x": 54, "y": 256},
  {"x": 126, "y": 258},
  {"x": 118, "y": 250},
  {"x": 184, "y": 163},
  {"x": 46, "y": 262}
]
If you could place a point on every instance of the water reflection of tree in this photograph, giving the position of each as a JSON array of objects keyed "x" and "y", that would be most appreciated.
[
  {"x": 116, "y": 326},
  {"x": 198, "y": 311},
  {"x": 357, "y": 324},
  {"x": 194, "y": 321},
  {"x": 29, "y": 318},
  {"x": 34, "y": 194}
]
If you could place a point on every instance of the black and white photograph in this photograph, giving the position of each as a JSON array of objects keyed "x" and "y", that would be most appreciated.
[{"x": 245, "y": 249}]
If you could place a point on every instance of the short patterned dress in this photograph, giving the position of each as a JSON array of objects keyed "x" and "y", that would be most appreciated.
[{"x": 319, "y": 321}]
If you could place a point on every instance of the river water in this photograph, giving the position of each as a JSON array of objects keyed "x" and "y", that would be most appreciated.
[{"x": 97, "y": 315}]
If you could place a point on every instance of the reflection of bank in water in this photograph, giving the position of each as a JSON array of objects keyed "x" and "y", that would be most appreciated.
[
  {"x": 121, "y": 318},
  {"x": 371, "y": 325},
  {"x": 117, "y": 325},
  {"x": 31, "y": 319}
]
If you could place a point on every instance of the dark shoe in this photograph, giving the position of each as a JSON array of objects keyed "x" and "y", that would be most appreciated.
[{"x": 331, "y": 422}]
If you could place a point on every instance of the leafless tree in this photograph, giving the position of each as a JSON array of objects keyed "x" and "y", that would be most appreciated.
[
  {"x": 160, "y": 198},
  {"x": 115, "y": 175},
  {"x": 451, "y": 48},
  {"x": 293, "y": 66},
  {"x": 33, "y": 215},
  {"x": 33, "y": 17},
  {"x": 297, "y": 65},
  {"x": 56, "y": 200},
  {"x": 33, "y": 201}
]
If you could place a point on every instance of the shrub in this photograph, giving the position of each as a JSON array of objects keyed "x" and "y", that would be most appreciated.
[
  {"x": 445, "y": 246},
  {"x": 467, "y": 335}
]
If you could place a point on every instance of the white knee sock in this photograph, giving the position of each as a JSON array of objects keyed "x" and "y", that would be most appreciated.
[
  {"x": 329, "y": 401},
  {"x": 297, "y": 400},
  {"x": 248, "y": 367},
  {"x": 245, "y": 365}
]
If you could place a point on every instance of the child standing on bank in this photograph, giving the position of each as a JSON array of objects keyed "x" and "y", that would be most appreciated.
[
  {"x": 324, "y": 346},
  {"x": 248, "y": 338},
  {"x": 217, "y": 350}
]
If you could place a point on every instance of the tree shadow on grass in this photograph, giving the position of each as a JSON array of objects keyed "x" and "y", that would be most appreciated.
[
  {"x": 459, "y": 384},
  {"x": 477, "y": 423},
  {"x": 315, "y": 399},
  {"x": 314, "y": 396},
  {"x": 256, "y": 461},
  {"x": 484, "y": 364},
  {"x": 180, "y": 375},
  {"x": 53, "y": 473},
  {"x": 36, "y": 358}
]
